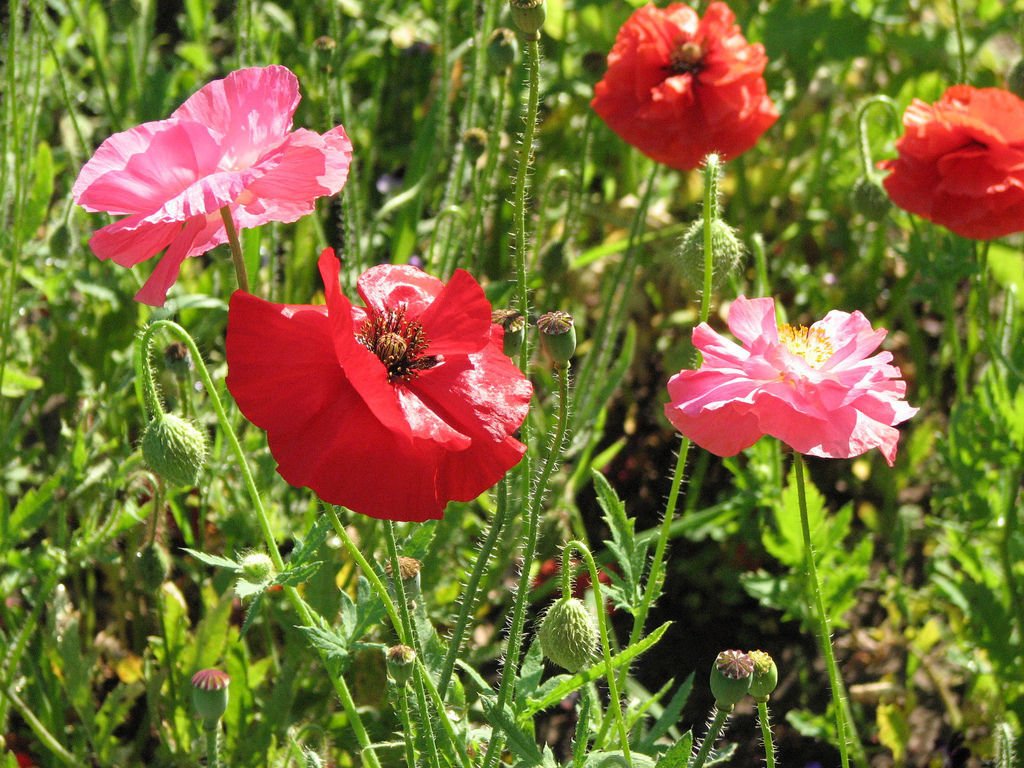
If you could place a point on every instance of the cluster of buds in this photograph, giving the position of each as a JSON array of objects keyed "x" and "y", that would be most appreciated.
[{"x": 736, "y": 674}]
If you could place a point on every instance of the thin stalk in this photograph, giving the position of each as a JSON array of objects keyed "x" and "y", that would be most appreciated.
[
  {"x": 409, "y": 636},
  {"x": 766, "y": 733},
  {"x": 410, "y": 748},
  {"x": 292, "y": 594},
  {"x": 863, "y": 138},
  {"x": 522, "y": 248},
  {"x": 37, "y": 727},
  {"x": 721, "y": 715},
  {"x": 469, "y": 597},
  {"x": 236, "y": 249},
  {"x": 515, "y": 637},
  {"x": 711, "y": 170},
  {"x": 602, "y": 624},
  {"x": 211, "y": 736},
  {"x": 824, "y": 637},
  {"x": 961, "y": 51},
  {"x": 582, "y": 736}
]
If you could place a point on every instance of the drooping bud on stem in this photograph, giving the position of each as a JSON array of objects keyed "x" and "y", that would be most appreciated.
[
  {"x": 502, "y": 51},
  {"x": 567, "y": 634},
  {"x": 174, "y": 448}
]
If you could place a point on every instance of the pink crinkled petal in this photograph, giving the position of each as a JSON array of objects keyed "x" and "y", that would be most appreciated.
[
  {"x": 154, "y": 290},
  {"x": 138, "y": 170},
  {"x": 693, "y": 391},
  {"x": 852, "y": 337},
  {"x": 718, "y": 351},
  {"x": 251, "y": 109},
  {"x": 705, "y": 427},
  {"x": 753, "y": 320},
  {"x": 132, "y": 240}
]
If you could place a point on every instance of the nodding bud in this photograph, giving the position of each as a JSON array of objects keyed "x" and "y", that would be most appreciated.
[
  {"x": 401, "y": 660},
  {"x": 567, "y": 634},
  {"x": 1015, "y": 80},
  {"x": 515, "y": 329},
  {"x": 528, "y": 16},
  {"x": 502, "y": 51},
  {"x": 474, "y": 141},
  {"x": 174, "y": 448},
  {"x": 727, "y": 251},
  {"x": 409, "y": 573},
  {"x": 730, "y": 678},
  {"x": 257, "y": 567},
  {"x": 869, "y": 199},
  {"x": 210, "y": 695},
  {"x": 178, "y": 360},
  {"x": 765, "y": 677},
  {"x": 558, "y": 335}
]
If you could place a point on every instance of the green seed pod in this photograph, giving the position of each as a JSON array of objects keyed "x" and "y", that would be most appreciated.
[
  {"x": 409, "y": 571},
  {"x": 502, "y": 51},
  {"x": 730, "y": 678},
  {"x": 528, "y": 16},
  {"x": 765, "y": 677},
  {"x": 474, "y": 140},
  {"x": 515, "y": 329},
  {"x": 567, "y": 634},
  {"x": 174, "y": 448},
  {"x": 1015, "y": 80},
  {"x": 727, "y": 251},
  {"x": 558, "y": 335},
  {"x": 210, "y": 695},
  {"x": 869, "y": 199},
  {"x": 401, "y": 661}
]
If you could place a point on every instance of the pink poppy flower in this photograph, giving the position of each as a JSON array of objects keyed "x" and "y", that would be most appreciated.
[
  {"x": 230, "y": 145},
  {"x": 816, "y": 388},
  {"x": 392, "y": 409}
]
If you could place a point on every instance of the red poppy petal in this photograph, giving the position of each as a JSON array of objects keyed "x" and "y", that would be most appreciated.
[
  {"x": 458, "y": 322},
  {"x": 387, "y": 286}
]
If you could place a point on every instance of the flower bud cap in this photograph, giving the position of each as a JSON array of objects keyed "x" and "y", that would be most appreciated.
[
  {"x": 514, "y": 325},
  {"x": 558, "y": 335},
  {"x": 567, "y": 635},
  {"x": 409, "y": 572},
  {"x": 528, "y": 16},
  {"x": 174, "y": 448},
  {"x": 730, "y": 678},
  {"x": 765, "y": 677},
  {"x": 178, "y": 360},
  {"x": 869, "y": 199},
  {"x": 401, "y": 660},
  {"x": 210, "y": 695}
]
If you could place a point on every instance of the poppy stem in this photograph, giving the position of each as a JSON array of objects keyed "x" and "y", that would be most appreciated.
[
  {"x": 299, "y": 605},
  {"x": 765, "y": 722},
  {"x": 721, "y": 715},
  {"x": 712, "y": 169},
  {"x": 522, "y": 187},
  {"x": 236, "y": 248},
  {"x": 602, "y": 624},
  {"x": 824, "y": 636},
  {"x": 961, "y": 51},
  {"x": 863, "y": 138}
]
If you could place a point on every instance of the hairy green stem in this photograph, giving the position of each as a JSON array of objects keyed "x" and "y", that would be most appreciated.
[
  {"x": 602, "y": 624},
  {"x": 212, "y": 739},
  {"x": 721, "y": 715},
  {"x": 712, "y": 166},
  {"x": 410, "y": 747},
  {"x": 522, "y": 248},
  {"x": 764, "y": 719},
  {"x": 961, "y": 51},
  {"x": 303, "y": 611},
  {"x": 821, "y": 617},
  {"x": 863, "y": 139}
]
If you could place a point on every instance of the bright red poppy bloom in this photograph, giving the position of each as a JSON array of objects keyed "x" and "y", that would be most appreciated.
[
  {"x": 961, "y": 162},
  {"x": 679, "y": 87},
  {"x": 392, "y": 409},
  {"x": 230, "y": 145}
]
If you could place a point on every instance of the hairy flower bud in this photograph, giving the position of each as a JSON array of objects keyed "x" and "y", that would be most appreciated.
[
  {"x": 727, "y": 251},
  {"x": 502, "y": 51},
  {"x": 528, "y": 16},
  {"x": 567, "y": 634},
  {"x": 401, "y": 660},
  {"x": 178, "y": 360},
  {"x": 174, "y": 448},
  {"x": 558, "y": 335},
  {"x": 730, "y": 678},
  {"x": 765, "y": 677},
  {"x": 210, "y": 695},
  {"x": 869, "y": 199},
  {"x": 257, "y": 567}
]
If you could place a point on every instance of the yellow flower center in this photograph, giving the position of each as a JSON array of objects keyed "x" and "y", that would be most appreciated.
[{"x": 809, "y": 343}]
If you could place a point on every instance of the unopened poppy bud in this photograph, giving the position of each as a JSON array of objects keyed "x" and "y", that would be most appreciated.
[
  {"x": 558, "y": 335},
  {"x": 502, "y": 51},
  {"x": 567, "y": 634},
  {"x": 409, "y": 572},
  {"x": 474, "y": 140},
  {"x": 528, "y": 16},
  {"x": 765, "y": 677},
  {"x": 730, "y": 678},
  {"x": 311, "y": 759},
  {"x": 257, "y": 567},
  {"x": 1015, "y": 80},
  {"x": 869, "y": 199},
  {"x": 727, "y": 251},
  {"x": 210, "y": 695},
  {"x": 174, "y": 448},
  {"x": 154, "y": 566},
  {"x": 401, "y": 660},
  {"x": 514, "y": 325},
  {"x": 178, "y": 360}
]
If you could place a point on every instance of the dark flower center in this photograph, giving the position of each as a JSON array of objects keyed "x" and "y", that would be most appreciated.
[
  {"x": 398, "y": 343},
  {"x": 686, "y": 59}
]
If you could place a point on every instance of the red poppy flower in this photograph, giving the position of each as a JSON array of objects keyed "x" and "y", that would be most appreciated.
[
  {"x": 961, "y": 162},
  {"x": 392, "y": 409},
  {"x": 679, "y": 87}
]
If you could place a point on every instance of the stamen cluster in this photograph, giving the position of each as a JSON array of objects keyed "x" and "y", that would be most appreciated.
[{"x": 398, "y": 343}]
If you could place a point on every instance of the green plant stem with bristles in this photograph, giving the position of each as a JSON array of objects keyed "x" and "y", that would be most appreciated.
[
  {"x": 863, "y": 139},
  {"x": 515, "y": 637},
  {"x": 211, "y": 737},
  {"x": 821, "y": 617},
  {"x": 236, "y": 249},
  {"x": 602, "y": 624},
  {"x": 522, "y": 247},
  {"x": 960, "y": 49},
  {"x": 469, "y": 597},
  {"x": 764, "y": 719},
  {"x": 711, "y": 171},
  {"x": 303, "y": 611},
  {"x": 721, "y": 715},
  {"x": 403, "y": 712}
]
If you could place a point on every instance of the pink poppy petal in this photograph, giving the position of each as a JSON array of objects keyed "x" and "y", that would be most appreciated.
[
  {"x": 753, "y": 320},
  {"x": 154, "y": 290},
  {"x": 717, "y": 350},
  {"x": 705, "y": 427},
  {"x": 132, "y": 240}
]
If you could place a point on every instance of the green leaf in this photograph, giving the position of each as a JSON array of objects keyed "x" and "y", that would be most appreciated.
[
  {"x": 295, "y": 575},
  {"x": 616, "y": 759},
  {"x": 678, "y": 755},
  {"x": 669, "y": 715},
  {"x": 328, "y": 640},
  {"x": 893, "y": 730},
  {"x": 215, "y": 560},
  {"x": 41, "y": 193},
  {"x": 786, "y": 543},
  {"x": 520, "y": 743},
  {"x": 32, "y": 509},
  {"x": 17, "y": 383}
]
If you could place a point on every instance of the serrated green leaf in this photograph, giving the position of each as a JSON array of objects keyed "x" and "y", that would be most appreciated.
[
  {"x": 310, "y": 545},
  {"x": 295, "y": 575},
  {"x": 616, "y": 759},
  {"x": 246, "y": 589},
  {"x": 32, "y": 509},
  {"x": 785, "y": 543},
  {"x": 328, "y": 640},
  {"x": 530, "y": 672},
  {"x": 669, "y": 715},
  {"x": 678, "y": 755},
  {"x": 215, "y": 560},
  {"x": 520, "y": 743}
]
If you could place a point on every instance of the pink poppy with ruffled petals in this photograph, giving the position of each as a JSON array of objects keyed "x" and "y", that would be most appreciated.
[
  {"x": 230, "y": 145},
  {"x": 392, "y": 409},
  {"x": 818, "y": 389}
]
